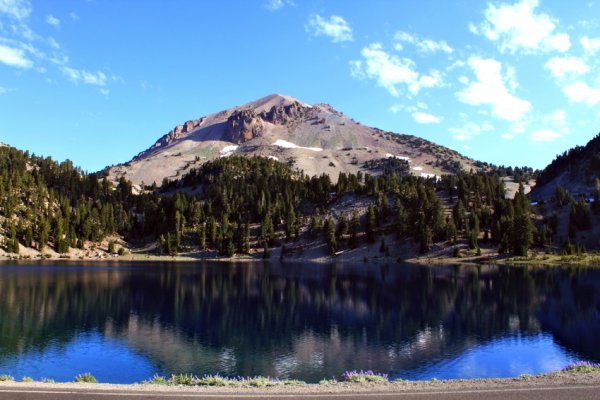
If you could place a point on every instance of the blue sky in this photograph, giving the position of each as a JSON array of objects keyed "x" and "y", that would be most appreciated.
[{"x": 97, "y": 81}]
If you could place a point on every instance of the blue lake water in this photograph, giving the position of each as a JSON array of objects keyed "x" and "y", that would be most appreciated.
[{"x": 128, "y": 322}]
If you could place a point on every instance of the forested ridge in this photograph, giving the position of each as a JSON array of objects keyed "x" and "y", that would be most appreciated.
[
  {"x": 578, "y": 159},
  {"x": 236, "y": 205}
]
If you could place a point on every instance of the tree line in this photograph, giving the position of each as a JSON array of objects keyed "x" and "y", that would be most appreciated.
[{"x": 233, "y": 204}]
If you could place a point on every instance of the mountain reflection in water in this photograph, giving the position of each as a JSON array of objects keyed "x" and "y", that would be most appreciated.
[{"x": 127, "y": 322}]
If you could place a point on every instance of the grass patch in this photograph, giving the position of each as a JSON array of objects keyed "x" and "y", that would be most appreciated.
[
  {"x": 6, "y": 378},
  {"x": 156, "y": 380},
  {"x": 85, "y": 378},
  {"x": 328, "y": 382},
  {"x": 364, "y": 377},
  {"x": 585, "y": 259},
  {"x": 27, "y": 379},
  {"x": 222, "y": 381},
  {"x": 584, "y": 367}
]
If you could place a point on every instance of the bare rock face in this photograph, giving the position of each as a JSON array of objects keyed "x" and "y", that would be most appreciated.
[
  {"x": 244, "y": 125},
  {"x": 282, "y": 115},
  {"x": 176, "y": 133}
]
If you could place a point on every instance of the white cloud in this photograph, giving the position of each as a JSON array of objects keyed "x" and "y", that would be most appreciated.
[
  {"x": 490, "y": 88},
  {"x": 53, "y": 43},
  {"x": 590, "y": 45},
  {"x": 422, "y": 45},
  {"x": 391, "y": 71},
  {"x": 104, "y": 91},
  {"x": 519, "y": 27},
  {"x": 336, "y": 28},
  {"x": 14, "y": 57},
  {"x": 275, "y": 5},
  {"x": 566, "y": 66},
  {"x": 18, "y": 9},
  {"x": 53, "y": 21},
  {"x": 559, "y": 117},
  {"x": 73, "y": 16},
  {"x": 544, "y": 135},
  {"x": 426, "y": 118},
  {"x": 83, "y": 76},
  {"x": 3, "y": 90},
  {"x": 581, "y": 92},
  {"x": 470, "y": 130}
]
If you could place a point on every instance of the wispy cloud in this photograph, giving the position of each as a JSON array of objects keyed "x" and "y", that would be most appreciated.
[
  {"x": 544, "y": 135},
  {"x": 590, "y": 45},
  {"x": 73, "y": 16},
  {"x": 18, "y": 9},
  {"x": 392, "y": 72},
  {"x": 336, "y": 28},
  {"x": 581, "y": 92},
  {"x": 519, "y": 27},
  {"x": 561, "y": 67},
  {"x": 82, "y": 76},
  {"x": 14, "y": 57},
  {"x": 21, "y": 47},
  {"x": 275, "y": 5},
  {"x": 53, "y": 21},
  {"x": 469, "y": 130},
  {"x": 422, "y": 45},
  {"x": 426, "y": 118},
  {"x": 492, "y": 88}
]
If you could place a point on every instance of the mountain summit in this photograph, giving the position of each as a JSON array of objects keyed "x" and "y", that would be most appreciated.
[{"x": 314, "y": 138}]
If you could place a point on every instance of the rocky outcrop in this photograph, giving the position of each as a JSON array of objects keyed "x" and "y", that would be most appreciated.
[
  {"x": 243, "y": 125},
  {"x": 176, "y": 133},
  {"x": 284, "y": 114}
]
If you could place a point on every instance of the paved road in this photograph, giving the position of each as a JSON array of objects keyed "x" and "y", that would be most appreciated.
[{"x": 582, "y": 392}]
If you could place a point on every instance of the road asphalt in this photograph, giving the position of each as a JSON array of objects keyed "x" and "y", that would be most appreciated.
[{"x": 578, "y": 392}]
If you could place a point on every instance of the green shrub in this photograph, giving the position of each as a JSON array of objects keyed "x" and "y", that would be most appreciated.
[
  {"x": 364, "y": 376},
  {"x": 6, "y": 378},
  {"x": 86, "y": 378},
  {"x": 183, "y": 379},
  {"x": 328, "y": 381},
  {"x": 27, "y": 379},
  {"x": 157, "y": 380}
]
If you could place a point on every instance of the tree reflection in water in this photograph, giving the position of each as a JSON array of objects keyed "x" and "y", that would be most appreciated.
[{"x": 306, "y": 322}]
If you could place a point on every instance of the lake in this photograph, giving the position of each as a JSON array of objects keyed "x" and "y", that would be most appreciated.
[{"x": 126, "y": 322}]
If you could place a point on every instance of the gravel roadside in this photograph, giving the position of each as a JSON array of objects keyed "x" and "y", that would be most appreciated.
[{"x": 556, "y": 379}]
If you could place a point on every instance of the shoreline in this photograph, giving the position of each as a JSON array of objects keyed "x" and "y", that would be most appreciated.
[
  {"x": 489, "y": 258},
  {"x": 553, "y": 379}
]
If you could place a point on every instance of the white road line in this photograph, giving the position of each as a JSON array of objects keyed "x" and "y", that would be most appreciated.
[{"x": 300, "y": 395}]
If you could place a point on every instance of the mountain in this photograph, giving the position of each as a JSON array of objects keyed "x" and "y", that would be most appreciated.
[
  {"x": 577, "y": 170},
  {"x": 313, "y": 138}
]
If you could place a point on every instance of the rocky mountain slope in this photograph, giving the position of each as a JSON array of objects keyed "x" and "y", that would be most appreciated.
[
  {"x": 314, "y": 138},
  {"x": 577, "y": 170}
]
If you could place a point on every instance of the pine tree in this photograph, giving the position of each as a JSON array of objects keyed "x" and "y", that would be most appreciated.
[
  {"x": 266, "y": 229},
  {"x": 330, "y": 236},
  {"x": 401, "y": 220},
  {"x": 354, "y": 228},
  {"x": 342, "y": 226},
  {"x": 371, "y": 224},
  {"x": 425, "y": 235},
  {"x": 246, "y": 238},
  {"x": 522, "y": 234},
  {"x": 316, "y": 225},
  {"x": 202, "y": 236},
  {"x": 290, "y": 224},
  {"x": 451, "y": 231}
]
